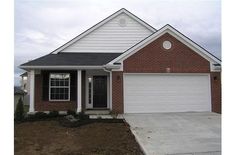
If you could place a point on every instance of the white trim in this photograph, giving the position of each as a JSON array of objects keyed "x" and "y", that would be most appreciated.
[
  {"x": 111, "y": 90},
  {"x": 58, "y": 100},
  {"x": 91, "y": 90},
  {"x": 92, "y": 74},
  {"x": 176, "y": 34},
  {"x": 32, "y": 90},
  {"x": 215, "y": 68},
  {"x": 210, "y": 94},
  {"x": 79, "y": 91},
  {"x": 102, "y": 23},
  {"x": 168, "y": 73},
  {"x": 110, "y": 84},
  {"x": 87, "y": 104},
  {"x": 108, "y": 92}
]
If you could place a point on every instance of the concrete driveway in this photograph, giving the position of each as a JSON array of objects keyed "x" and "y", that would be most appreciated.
[{"x": 177, "y": 133}]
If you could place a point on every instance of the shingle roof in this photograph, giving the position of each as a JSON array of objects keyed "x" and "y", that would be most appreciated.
[
  {"x": 24, "y": 74},
  {"x": 73, "y": 59}
]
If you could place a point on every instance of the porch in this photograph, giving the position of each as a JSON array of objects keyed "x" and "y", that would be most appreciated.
[{"x": 77, "y": 90}]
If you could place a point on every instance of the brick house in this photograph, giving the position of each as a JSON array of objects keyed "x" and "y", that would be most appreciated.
[{"x": 124, "y": 65}]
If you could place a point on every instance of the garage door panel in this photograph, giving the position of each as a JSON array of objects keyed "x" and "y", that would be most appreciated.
[{"x": 145, "y": 93}]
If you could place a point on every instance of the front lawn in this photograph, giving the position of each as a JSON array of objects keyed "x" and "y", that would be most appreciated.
[{"x": 48, "y": 137}]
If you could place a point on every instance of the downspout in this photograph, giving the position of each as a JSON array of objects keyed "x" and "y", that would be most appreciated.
[{"x": 110, "y": 72}]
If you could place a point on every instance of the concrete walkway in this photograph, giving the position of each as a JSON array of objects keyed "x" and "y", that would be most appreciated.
[{"x": 177, "y": 133}]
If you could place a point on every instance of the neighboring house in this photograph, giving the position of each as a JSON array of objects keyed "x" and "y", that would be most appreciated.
[
  {"x": 124, "y": 65},
  {"x": 18, "y": 93},
  {"x": 25, "y": 86},
  {"x": 24, "y": 82}
]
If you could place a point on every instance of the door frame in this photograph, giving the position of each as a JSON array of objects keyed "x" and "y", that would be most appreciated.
[
  {"x": 91, "y": 74},
  {"x": 104, "y": 77}
]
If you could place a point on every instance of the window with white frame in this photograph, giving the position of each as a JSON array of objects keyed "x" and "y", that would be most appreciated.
[{"x": 59, "y": 87}]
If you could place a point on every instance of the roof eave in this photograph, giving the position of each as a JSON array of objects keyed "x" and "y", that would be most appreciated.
[
  {"x": 108, "y": 66},
  {"x": 117, "y": 66}
]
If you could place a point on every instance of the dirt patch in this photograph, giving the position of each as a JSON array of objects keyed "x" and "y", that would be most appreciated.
[{"x": 48, "y": 137}]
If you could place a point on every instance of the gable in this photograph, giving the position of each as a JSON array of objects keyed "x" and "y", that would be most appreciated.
[
  {"x": 155, "y": 59},
  {"x": 113, "y": 36},
  {"x": 177, "y": 35}
]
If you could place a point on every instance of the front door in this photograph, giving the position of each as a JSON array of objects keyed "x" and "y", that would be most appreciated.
[{"x": 100, "y": 91}]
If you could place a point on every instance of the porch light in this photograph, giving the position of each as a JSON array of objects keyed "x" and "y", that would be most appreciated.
[
  {"x": 90, "y": 79},
  {"x": 168, "y": 70}
]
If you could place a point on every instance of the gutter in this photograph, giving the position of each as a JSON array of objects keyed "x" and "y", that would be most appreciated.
[
  {"x": 108, "y": 68},
  {"x": 110, "y": 86},
  {"x": 71, "y": 67}
]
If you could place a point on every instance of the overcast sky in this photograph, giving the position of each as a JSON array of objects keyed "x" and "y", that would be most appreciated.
[{"x": 43, "y": 25}]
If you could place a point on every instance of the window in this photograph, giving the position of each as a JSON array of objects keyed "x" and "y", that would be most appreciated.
[
  {"x": 59, "y": 87},
  {"x": 90, "y": 90}
]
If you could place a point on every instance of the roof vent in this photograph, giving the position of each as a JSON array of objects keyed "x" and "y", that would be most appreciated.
[{"x": 167, "y": 45}]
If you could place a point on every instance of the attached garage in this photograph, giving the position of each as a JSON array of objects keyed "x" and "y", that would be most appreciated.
[{"x": 150, "y": 93}]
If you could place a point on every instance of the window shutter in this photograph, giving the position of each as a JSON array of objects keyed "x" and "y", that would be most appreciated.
[{"x": 73, "y": 86}]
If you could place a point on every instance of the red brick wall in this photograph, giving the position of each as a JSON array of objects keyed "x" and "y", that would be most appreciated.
[
  {"x": 216, "y": 91},
  {"x": 41, "y": 105},
  {"x": 153, "y": 58},
  {"x": 117, "y": 92}
]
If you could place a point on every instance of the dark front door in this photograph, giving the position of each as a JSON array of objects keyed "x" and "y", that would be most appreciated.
[{"x": 99, "y": 91}]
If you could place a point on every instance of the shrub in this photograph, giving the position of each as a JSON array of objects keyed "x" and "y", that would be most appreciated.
[
  {"x": 53, "y": 114},
  {"x": 40, "y": 115},
  {"x": 19, "y": 113},
  {"x": 83, "y": 116},
  {"x": 71, "y": 112}
]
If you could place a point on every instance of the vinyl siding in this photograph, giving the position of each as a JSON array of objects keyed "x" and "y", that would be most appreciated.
[{"x": 111, "y": 37}]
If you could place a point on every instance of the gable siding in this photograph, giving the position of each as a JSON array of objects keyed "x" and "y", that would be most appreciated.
[{"x": 111, "y": 37}]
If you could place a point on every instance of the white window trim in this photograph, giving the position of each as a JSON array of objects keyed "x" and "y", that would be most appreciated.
[{"x": 58, "y": 100}]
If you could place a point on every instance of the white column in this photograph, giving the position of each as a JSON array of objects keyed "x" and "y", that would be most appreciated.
[
  {"x": 79, "y": 90},
  {"x": 32, "y": 79},
  {"x": 110, "y": 90}
]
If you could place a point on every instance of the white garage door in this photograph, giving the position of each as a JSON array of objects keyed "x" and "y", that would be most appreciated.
[{"x": 147, "y": 93}]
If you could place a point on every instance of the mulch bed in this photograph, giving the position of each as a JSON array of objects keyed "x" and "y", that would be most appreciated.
[{"x": 48, "y": 137}]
